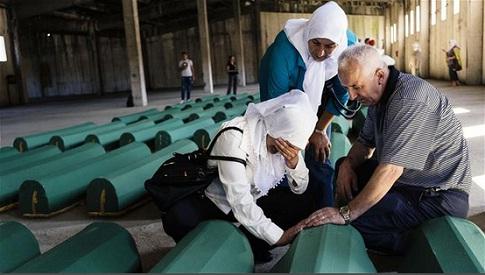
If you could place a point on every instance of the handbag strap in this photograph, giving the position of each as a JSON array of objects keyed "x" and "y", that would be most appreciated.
[{"x": 209, "y": 150}]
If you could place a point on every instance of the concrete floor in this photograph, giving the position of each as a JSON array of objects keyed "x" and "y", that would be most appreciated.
[{"x": 144, "y": 223}]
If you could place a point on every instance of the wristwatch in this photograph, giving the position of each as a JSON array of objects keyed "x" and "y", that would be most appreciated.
[{"x": 345, "y": 213}]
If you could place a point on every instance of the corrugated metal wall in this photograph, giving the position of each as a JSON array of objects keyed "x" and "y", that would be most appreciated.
[{"x": 7, "y": 96}]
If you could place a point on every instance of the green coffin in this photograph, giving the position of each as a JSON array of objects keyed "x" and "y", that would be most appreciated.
[
  {"x": 10, "y": 182},
  {"x": 30, "y": 157},
  {"x": 445, "y": 245},
  {"x": 54, "y": 192},
  {"x": 359, "y": 120},
  {"x": 239, "y": 96},
  {"x": 122, "y": 188},
  {"x": 166, "y": 137},
  {"x": 207, "y": 98},
  {"x": 7, "y": 152},
  {"x": 212, "y": 247},
  {"x": 110, "y": 138},
  {"x": 202, "y": 137},
  {"x": 98, "y": 248},
  {"x": 340, "y": 147},
  {"x": 148, "y": 133},
  {"x": 340, "y": 125},
  {"x": 17, "y": 244},
  {"x": 327, "y": 249},
  {"x": 186, "y": 115},
  {"x": 241, "y": 102},
  {"x": 29, "y": 142},
  {"x": 156, "y": 117},
  {"x": 131, "y": 118},
  {"x": 230, "y": 113},
  {"x": 210, "y": 113},
  {"x": 67, "y": 141}
]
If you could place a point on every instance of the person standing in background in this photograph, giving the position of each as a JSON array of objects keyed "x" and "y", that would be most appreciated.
[
  {"x": 186, "y": 68},
  {"x": 453, "y": 61},
  {"x": 232, "y": 73}
]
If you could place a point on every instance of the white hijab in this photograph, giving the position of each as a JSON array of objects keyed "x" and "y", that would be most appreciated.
[
  {"x": 328, "y": 21},
  {"x": 288, "y": 116},
  {"x": 452, "y": 43}
]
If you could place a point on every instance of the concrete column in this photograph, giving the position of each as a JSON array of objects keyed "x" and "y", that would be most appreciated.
[
  {"x": 239, "y": 45},
  {"x": 259, "y": 35},
  {"x": 483, "y": 47},
  {"x": 424, "y": 37},
  {"x": 20, "y": 68},
  {"x": 134, "y": 52},
  {"x": 205, "y": 50},
  {"x": 474, "y": 40}
]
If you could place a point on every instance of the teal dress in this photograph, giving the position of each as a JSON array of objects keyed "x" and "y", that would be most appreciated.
[{"x": 281, "y": 70}]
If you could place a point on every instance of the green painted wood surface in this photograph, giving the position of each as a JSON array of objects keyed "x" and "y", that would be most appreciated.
[
  {"x": 68, "y": 141},
  {"x": 444, "y": 245},
  {"x": 33, "y": 141},
  {"x": 326, "y": 249},
  {"x": 29, "y": 157},
  {"x": 101, "y": 247},
  {"x": 6, "y": 152},
  {"x": 340, "y": 147},
  {"x": 148, "y": 133},
  {"x": 17, "y": 245},
  {"x": 131, "y": 118},
  {"x": 340, "y": 125},
  {"x": 202, "y": 137},
  {"x": 123, "y": 187},
  {"x": 166, "y": 137},
  {"x": 11, "y": 181},
  {"x": 55, "y": 191},
  {"x": 110, "y": 138},
  {"x": 212, "y": 247}
]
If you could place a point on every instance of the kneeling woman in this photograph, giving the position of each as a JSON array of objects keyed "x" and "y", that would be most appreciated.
[{"x": 273, "y": 134}]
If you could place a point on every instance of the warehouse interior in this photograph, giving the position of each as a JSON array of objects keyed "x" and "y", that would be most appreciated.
[{"x": 65, "y": 63}]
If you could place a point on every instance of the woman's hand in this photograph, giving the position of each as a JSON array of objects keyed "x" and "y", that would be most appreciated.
[
  {"x": 290, "y": 234},
  {"x": 288, "y": 151}
]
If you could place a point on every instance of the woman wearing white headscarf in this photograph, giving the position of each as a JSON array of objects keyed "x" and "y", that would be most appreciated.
[
  {"x": 273, "y": 134},
  {"x": 453, "y": 61},
  {"x": 304, "y": 56}
]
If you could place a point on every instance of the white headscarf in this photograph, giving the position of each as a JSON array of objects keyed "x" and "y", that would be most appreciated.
[
  {"x": 452, "y": 43},
  {"x": 288, "y": 116},
  {"x": 328, "y": 21}
]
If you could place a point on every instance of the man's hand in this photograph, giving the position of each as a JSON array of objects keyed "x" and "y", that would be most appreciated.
[
  {"x": 346, "y": 182},
  {"x": 324, "y": 216},
  {"x": 321, "y": 144},
  {"x": 290, "y": 234},
  {"x": 288, "y": 151}
]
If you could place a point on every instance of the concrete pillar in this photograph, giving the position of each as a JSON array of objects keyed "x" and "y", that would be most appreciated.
[
  {"x": 259, "y": 34},
  {"x": 205, "y": 50},
  {"x": 20, "y": 68},
  {"x": 400, "y": 61},
  {"x": 474, "y": 42},
  {"x": 134, "y": 52},
  {"x": 483, "y": 47},
  {"x": 424, "y": 38},
  {"x": 239, "y": 45}
]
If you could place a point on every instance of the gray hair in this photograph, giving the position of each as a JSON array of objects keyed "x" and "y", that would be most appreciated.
[{"x": 367, "y": 57}]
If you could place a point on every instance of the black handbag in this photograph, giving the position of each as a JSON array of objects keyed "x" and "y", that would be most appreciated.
[{"x": 185, "y": 174}]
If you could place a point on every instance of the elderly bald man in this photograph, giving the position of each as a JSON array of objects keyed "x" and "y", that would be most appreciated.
[{"x": 410, "y": 162}]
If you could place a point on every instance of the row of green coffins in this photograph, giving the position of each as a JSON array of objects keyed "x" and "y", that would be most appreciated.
[
  {"x": 112, "y": 182},
  {"x": 220, "y": 247},
  {"x": 39, "y": 163},
  {"x": 72, "y": 137}
]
